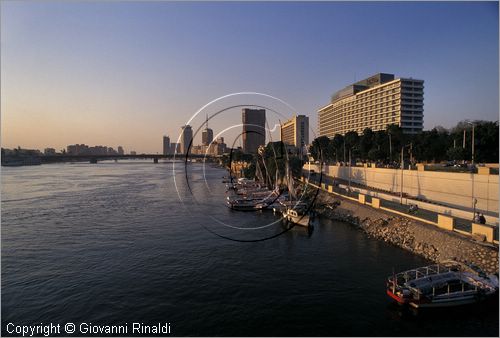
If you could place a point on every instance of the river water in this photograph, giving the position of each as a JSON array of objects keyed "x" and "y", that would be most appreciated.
[{"x": 115, "y": 243}]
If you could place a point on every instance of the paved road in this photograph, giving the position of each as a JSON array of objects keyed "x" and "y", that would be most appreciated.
[{"x": 460, "y": 223}]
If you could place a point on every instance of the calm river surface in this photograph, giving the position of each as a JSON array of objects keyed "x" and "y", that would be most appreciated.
[{"x": 112, "y": 243}]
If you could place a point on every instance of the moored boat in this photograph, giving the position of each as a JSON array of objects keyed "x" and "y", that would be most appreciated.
[
  {"x": 242, "y": 204},
  {"x": 297, "y": 213},
  {"x": 441, "y": 285}
]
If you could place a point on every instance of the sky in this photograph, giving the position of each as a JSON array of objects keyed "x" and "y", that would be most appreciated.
[{"x": 127, "y": 73}]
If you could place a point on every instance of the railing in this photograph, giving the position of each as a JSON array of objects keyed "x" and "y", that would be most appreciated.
[{"x": 488, "y": 233}]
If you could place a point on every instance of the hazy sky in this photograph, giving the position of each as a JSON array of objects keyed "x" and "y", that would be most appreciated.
[{"x": 125, "y": 73}]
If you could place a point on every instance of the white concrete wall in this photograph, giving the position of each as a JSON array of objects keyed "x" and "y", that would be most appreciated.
[{"x": 453, "y": 189}]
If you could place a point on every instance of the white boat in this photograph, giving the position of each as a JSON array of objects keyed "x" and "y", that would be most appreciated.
[
  {"x": 297, "y": 213},
  {"x": 251, "y": 201},
  {"x": 241, "y": 204},
  {"x": 297, "y": 217},
  {"x": 441, "y": 285}
]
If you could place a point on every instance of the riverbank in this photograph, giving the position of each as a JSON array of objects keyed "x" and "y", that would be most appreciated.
[{"x": 419, "y": 238}]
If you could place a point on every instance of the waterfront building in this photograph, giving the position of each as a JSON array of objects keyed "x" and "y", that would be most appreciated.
[
  {"x": 175, "y": 148},
  {"x": 375, "y": 103},
  {"x": 166, "y": 145},
  {"x": 83, "y": 149},
  {"x": 132, "y": 152},
  {"x": 77, "y": 149},
  {"x": 238, "y": 168},
  {"x": 295, "y": 132},
  {"x": 207, "y": 135},
  {"x": 98, "y": 150},
  {"x": 49, "y": 151},
  {"x": 120, "y": 150},
  {"x": 254, "y": 129},
  {"x": 196, "y": 150},
  {"x": 186, "y": 139},
  {"x": 217, "y": 147}
]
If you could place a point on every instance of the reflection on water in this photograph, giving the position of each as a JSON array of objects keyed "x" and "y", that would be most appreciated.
[{"x": 110, "y": 243}]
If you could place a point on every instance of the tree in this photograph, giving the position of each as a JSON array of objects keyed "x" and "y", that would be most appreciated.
[
  {"x": 431, "y": 145},
  {"x": 296, "y": 165},
  {"x": 320, "y": 149},
  {"x": 351, "y": 139},
  {"x": 249, "y": 172},
  {"x": 381, "y": 143},
  {"x": 486, "y": 142},
  {"x": 375, "y": 154},
  {"x": 352, "y": 143},
  {"x": 337, "y": 144},
  {"x": 366, "y": 142},
  {"x": 456, "y": 154},
  {"x": 397, "y": 139}
]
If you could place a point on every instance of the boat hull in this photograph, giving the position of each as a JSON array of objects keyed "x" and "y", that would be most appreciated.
[
  {"x": 448, "y": 302},
  {"x": 399, "y": 299},
  {"x": 299, "y": 220},
  {"x": 441, "y": 285}
]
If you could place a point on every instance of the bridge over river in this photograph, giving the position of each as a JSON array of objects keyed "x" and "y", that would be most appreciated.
[{"x": 96, "y": 158}]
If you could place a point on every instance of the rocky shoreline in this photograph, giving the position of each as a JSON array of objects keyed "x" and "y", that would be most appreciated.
[{"x": 419, "y": 238}]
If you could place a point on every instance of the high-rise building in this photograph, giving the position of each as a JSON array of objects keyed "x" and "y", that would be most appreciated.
[
  {"x": 166, "y": 145},
  {"x": 175, "y": 148},
  {"x": 120, "y": 150},
  {"x": 207, "y": 135},
  {"x": 375, "y": 103},
  {"x": 295, "y": 132},
  {"x": 254, "y": 129},
  {"x": 186, "y": 139}
]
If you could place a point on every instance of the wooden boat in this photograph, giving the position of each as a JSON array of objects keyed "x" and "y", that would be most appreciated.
[
  {"x": 441, "y": 285},
  {"x": 242, "y": 204},
  {"x": 297, "y": 213},
  {"x": 254, "y": 200}
]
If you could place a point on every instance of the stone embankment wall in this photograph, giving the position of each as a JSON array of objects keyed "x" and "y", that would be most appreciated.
[
  {"x": 422, "y": 239},
  {"x": 454, "y": 189}
]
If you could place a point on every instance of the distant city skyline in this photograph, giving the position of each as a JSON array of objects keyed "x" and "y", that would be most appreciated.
[{"x": 126, "y": 73}]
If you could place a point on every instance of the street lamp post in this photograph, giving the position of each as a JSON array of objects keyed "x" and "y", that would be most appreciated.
[
  {"x": 473, "y": 145},
  {"x": 344, "y": 152},
  {"x": 402, "y": 170},
  {"x": 349, "y": 170},
  {"x": 402, "y": 166},
  {"x": 390, "y": 148},
  {"x": 474, "y": 200},
  {"x": 472, "y": 142}
]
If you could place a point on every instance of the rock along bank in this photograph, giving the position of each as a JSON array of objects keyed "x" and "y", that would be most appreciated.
[{"x": 423, "y": 239}]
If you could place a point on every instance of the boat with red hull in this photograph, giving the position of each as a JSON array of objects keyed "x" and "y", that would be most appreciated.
[{"x": 441, "y": 285}]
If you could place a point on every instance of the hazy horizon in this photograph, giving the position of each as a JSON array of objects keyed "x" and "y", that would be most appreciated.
[{"x": 127, "y": 73}]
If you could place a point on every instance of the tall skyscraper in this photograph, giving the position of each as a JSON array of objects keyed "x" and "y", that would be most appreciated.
[
  {"x": 375, "y": 103},
  {"x": 254, "y": 129},
  {"x": 186, "y": 139},
  {"x": 166, "y": 145},
  {"x": 295, "y": 132},
  {"x": 175, "y": 148},
  {"x": 207, "y": 135}
]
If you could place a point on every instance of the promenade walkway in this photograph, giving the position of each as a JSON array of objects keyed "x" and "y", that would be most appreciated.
[{"x": 341, "y": 187}]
